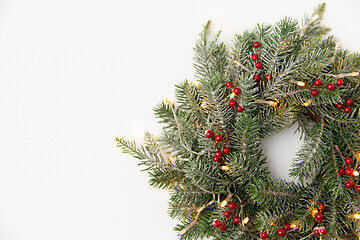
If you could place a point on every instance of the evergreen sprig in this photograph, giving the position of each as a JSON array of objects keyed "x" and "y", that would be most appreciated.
[{"x": 180, "y": 160}]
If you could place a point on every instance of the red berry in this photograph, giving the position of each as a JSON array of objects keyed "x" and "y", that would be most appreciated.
[
  {"x": 314, "y": 92},
  {"x": 349, "y": 184},
  {"x": 256, "y": 44},
  {"x": 258, "y": 65},
  {"x": 330, "y": 86},
  {"x": 231, "y": 205},
  {"x": 239, "y": 108},
  {"x": 255, "y": 57},
  {"x": 228, "y": 84},
  {"x": 341, "y": 171},
  {"x": 263, "y": 235},
  {"x": 347, "y": 109},
  {"x": 209, "y": 134},
  {"x": 227, "y": 214},
  {"x": 348, "y": 161},
  {"x": 218, "y": 154},
  {"x": 357, "y": 188},
  {"x": 232, "y": 103},
  {"x": 321, "y": 207},
  {"x": 339, "y": 106},
  {"x": 339, "y": 82},
  {"x": 322, "y": 230},
  {"x": 268, "y": 77},
  {"x": 236, "y": 219},
  {"x": 223, "y": 228},
  {"x": 218, "y": 138},
  {"x": 281, "y": 232},
  {"x": 349, "y": 101},
  {"x": 318, "y": 221},
  {"x": 216, "y": 159},
  {"x": 349, "y": 172},
  {"x": 216, "y": 223},
  {"x": 317, "y": 82},
  {"x": 256, "y": 77},
  {"x": 226, "y": 150},
  {"x": 287, "y": 226},
  {"x": 319, "y": 216},
  {"x": 316, "y": 231},
  {"x": 237, "y": 91}
]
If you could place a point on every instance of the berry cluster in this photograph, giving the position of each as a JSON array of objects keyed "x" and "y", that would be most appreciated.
[
  {"x": 280, "y": 232},
  {"x": 330, "y": 86},
  {"x": 320, "y": 230},
  {"x": 227, "y": 214},
  {"x": 258, "y": 65},
  {"x": 349, "y": 172},
  {"x": 347, "y": 109},
  {"x": 236, "y": 92},
  {"x": 218, "y": 138}
]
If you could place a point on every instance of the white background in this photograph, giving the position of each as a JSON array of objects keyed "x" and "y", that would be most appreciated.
[{"x": 74, "y": 74}]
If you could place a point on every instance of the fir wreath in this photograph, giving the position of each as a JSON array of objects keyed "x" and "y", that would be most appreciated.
[{"x": 214, "y": 168}]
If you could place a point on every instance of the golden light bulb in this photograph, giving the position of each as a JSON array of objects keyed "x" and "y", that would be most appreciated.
[
  {"x": 232, "y": 95},
  {"x": 196, "y": 83},
  {"x": 299, "y": 83},
  {"x": 246, "y": 220},
  {"x": 307, "y": 103},
  {"x": 171, "y": 158},
  {"x": 225, "y": 168},
  {"x": 203, "y": 105},
  {"x": 357, "y": 216},
  {"x": 355, "y": 173},
  {"x": 314, "y": 211},
  {"x": 223, "y": 203},
  {"x": 168, "y": 102}
]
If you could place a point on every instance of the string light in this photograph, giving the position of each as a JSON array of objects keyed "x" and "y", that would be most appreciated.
[
  {"x": 204, "y": 104},
  {"x": 355, "y": 173},
  {"x": 314, "y": 211},
  {"x": 232, "y": 95},
  {"x": 225, "y": 168},
  {"x": 307, "y": 103},
  {"x": 168, "y": 102},
  {"x": 299, "y": 83},
  {"x": 246, "y": 220},
  {"x": 171, "y": 158},
  {"x": 225, "y": 202},
  {"x": 196, "y": 83},
  {"x": 294, "y": 225},
  {"x": 356, "y": 216}
]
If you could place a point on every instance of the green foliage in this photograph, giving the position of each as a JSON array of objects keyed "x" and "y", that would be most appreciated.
[{"x": 180, "y": 160}]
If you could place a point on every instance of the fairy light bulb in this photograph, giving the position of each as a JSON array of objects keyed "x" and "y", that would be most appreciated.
[
  {"x": 300, "y": 83},
  {"x": 225, "y": 168},
  {"x": 307, "y": 103},
  {"x": 246, "y": 220},
  {"x": 357, "y": 216},
  {"x": 355, "y": 173},
  {"x": 168, "y": 102},
  {"x": 196, "y": 83},
  {"x": 232, "y": 95},
  {"x": 226, "y": 200}
]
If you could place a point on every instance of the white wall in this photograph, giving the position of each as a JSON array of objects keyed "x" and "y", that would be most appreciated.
[{"x": 74, "y": 74}]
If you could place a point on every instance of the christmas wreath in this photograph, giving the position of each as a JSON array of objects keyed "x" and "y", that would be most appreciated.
[{"x": 209, "y": 157}]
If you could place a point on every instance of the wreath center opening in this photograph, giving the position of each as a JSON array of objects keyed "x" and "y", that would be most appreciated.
[{"x": 281, "y": 149}]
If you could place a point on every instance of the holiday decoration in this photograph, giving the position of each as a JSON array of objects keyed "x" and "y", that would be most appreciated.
[{"x": 209, "y": 155}]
